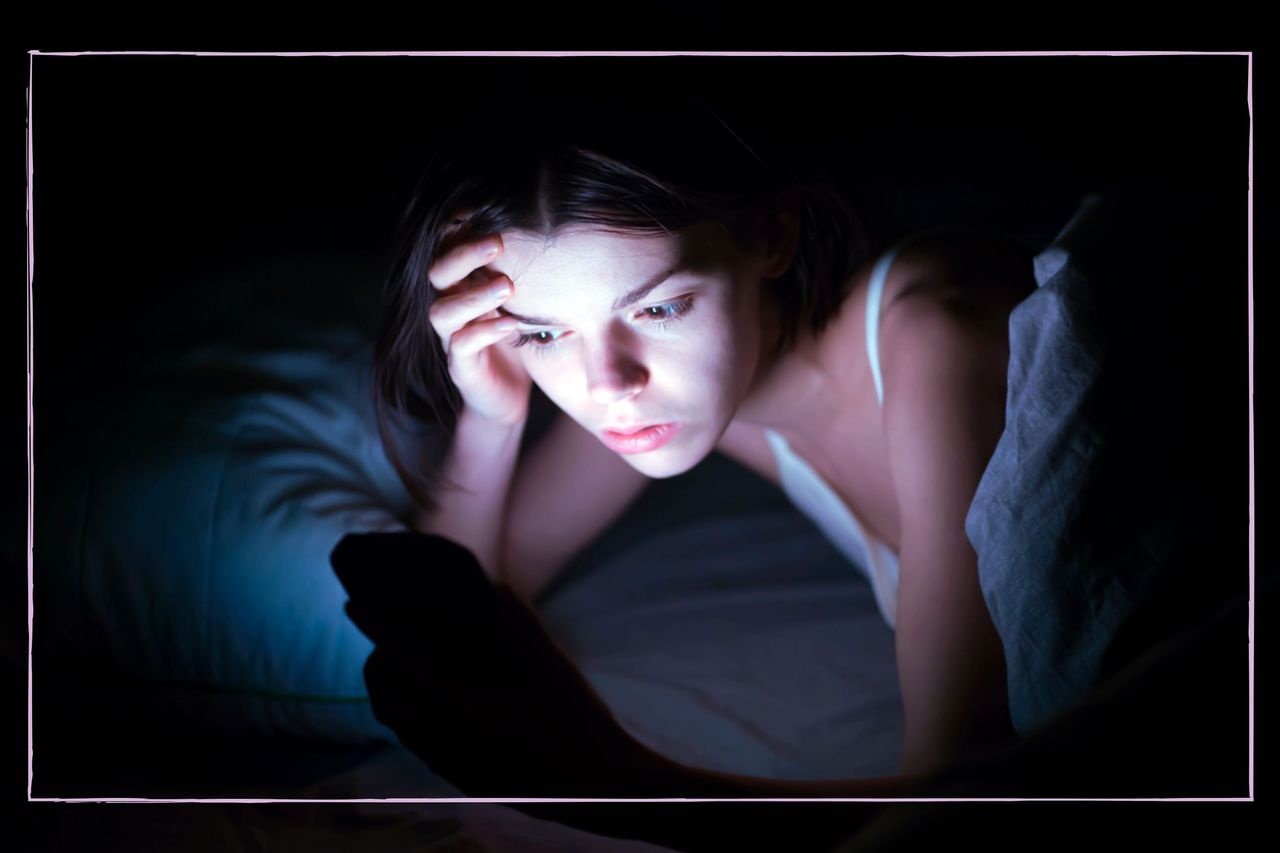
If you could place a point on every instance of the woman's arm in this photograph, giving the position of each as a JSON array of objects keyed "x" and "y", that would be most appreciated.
[
  {"x": 945, "y": 381},
  {"x": 524, "y": 516},
  {"x": 480, "y": 461},
  {"x": 471, "y": 508},
  {"x": 567, "y": 489}
]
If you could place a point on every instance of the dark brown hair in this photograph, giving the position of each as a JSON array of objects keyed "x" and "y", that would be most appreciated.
[{"x": 553, "y": 149}]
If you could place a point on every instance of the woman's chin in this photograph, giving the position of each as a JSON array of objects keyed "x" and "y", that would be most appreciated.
[{"x": 664, "y": 462}]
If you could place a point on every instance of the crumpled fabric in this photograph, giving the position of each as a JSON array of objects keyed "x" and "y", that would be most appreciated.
[{"x": 1114, "y": 509}]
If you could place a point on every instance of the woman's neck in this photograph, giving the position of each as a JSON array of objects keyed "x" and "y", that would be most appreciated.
[{"x": 808, "y": 389}]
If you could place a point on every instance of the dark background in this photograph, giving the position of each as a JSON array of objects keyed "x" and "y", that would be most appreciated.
[
  {"x": 151, "y": 170},
  {"x": 155, "y": 171}
]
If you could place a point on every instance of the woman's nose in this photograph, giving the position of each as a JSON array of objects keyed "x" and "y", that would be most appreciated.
[{"x": 613, "y": 375}]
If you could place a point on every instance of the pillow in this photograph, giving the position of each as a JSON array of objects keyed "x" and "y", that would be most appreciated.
[
  {"x": 1113, "y": 509},
  {"x": 184, "y": 519}
]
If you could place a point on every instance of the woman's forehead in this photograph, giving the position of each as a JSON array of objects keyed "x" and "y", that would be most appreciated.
[{"x": 591, "y": 252}]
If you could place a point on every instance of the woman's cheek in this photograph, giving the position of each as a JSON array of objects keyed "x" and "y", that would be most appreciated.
[
  {"x": 719, "y": 348},
  {"x": 554, "y": 381}
]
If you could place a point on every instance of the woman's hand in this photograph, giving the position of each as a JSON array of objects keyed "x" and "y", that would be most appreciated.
[
  {"x": 464, "y": 674},
  {"x": 493, "y": 384}
]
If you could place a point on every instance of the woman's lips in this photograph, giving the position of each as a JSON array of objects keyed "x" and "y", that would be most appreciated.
[{"x": 640, "y": 441}]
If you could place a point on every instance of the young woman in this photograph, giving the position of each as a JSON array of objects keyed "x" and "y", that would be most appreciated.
[{"x": 675, "y": 290}]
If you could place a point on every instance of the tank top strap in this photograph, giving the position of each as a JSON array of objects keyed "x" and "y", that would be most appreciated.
[
  {"x": 875, "y": 299},
  {"x": 875, "y": 294}
]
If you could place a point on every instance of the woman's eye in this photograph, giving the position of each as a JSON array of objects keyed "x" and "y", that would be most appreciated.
[
  {"x": 543, "y": 340},
  {"x": 668, "y": 311},
  {"x": 657, "y": 315}
]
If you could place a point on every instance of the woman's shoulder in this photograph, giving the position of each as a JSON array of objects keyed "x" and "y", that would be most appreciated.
[
  {"x": 944, "y": 346},
  {"x": 957, "y": 271},
  {"x": 947, "y": 299}
]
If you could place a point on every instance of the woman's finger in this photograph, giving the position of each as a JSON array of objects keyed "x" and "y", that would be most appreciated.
[
  {"x": 469, "y": 341},
  {"x": 449, "y": 314},
  {"x": 460, "y": 261}
]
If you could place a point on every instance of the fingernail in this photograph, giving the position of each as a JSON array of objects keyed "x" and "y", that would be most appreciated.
[
  {"x": 498, "y": 291},
  {"x": 506, "y": 324},
  {"x": 490, "y": 250}
]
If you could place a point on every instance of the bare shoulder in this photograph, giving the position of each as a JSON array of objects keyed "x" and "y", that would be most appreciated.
[
  {"x": 944, "y": 346},
  {"x": 951, "y": 292},
  {"x": 961, "y": 271}
]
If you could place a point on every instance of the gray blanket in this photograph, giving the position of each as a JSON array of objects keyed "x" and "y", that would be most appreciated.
[{"x": 1114, "y": 509}]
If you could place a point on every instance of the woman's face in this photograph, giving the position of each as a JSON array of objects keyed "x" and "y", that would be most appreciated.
[{"x": 624, "y": 332}]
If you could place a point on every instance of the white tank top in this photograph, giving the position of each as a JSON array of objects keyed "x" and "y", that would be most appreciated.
[{"x": 813, "y": 496}]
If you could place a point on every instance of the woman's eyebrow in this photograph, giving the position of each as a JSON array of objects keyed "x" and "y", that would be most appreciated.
[{"x": 630, "y": 298}]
